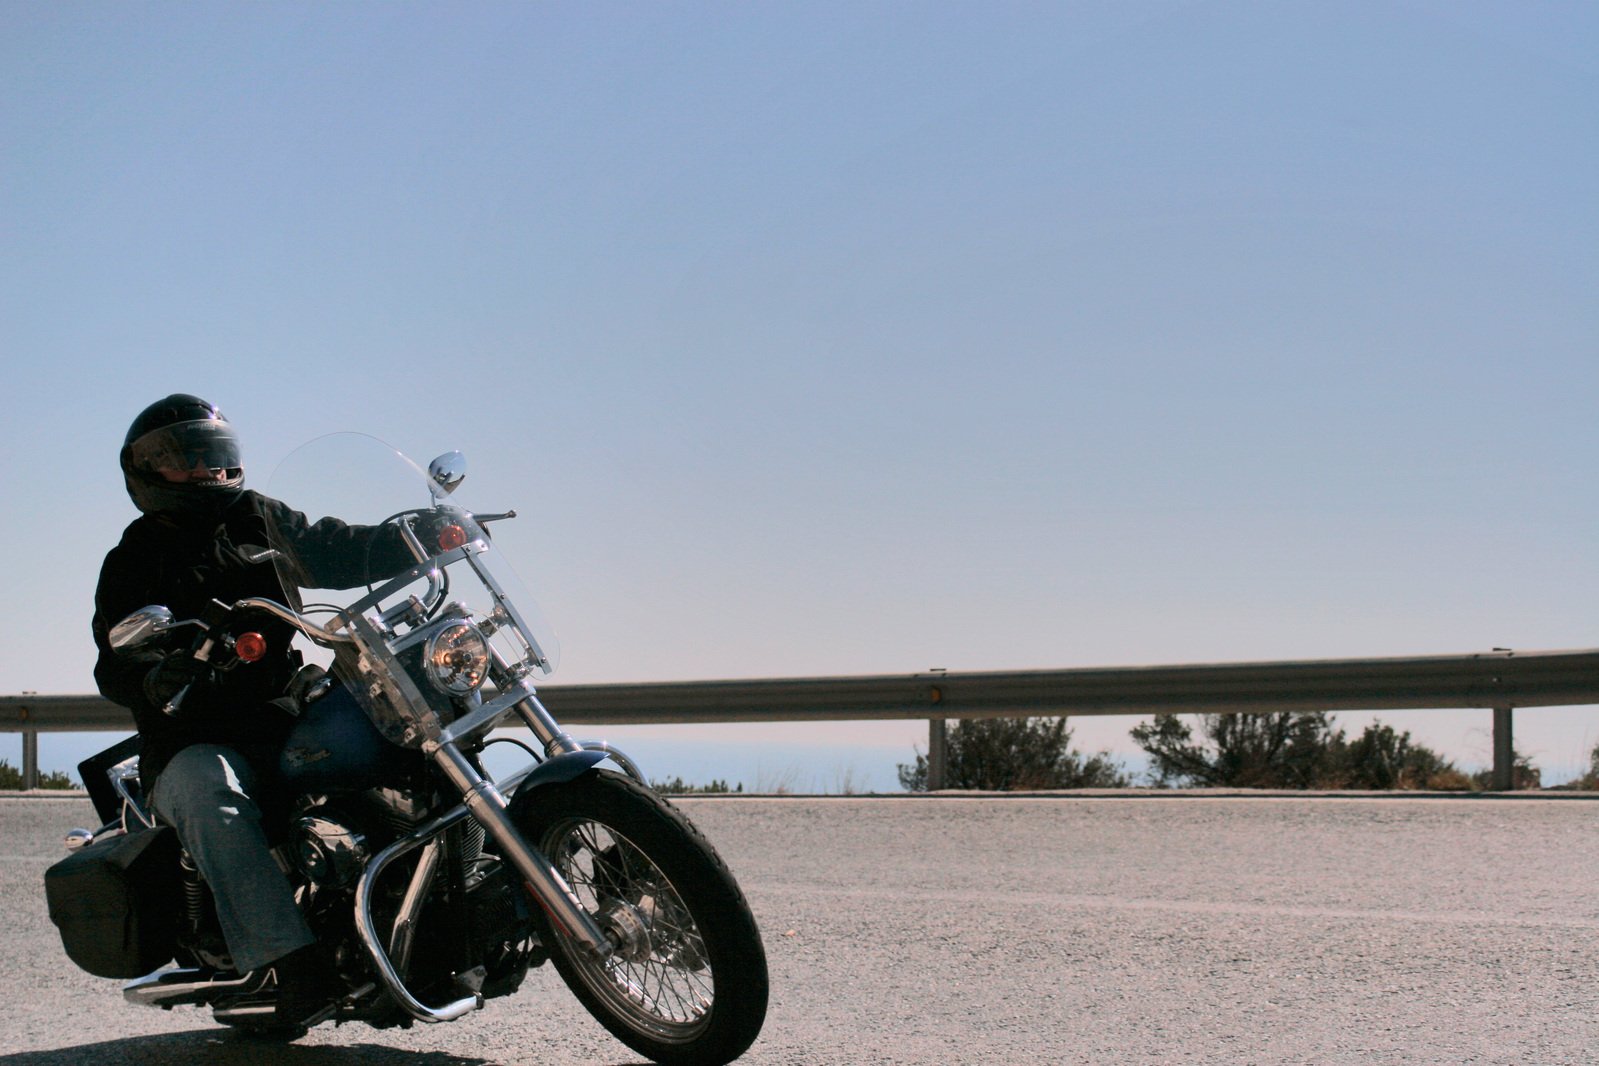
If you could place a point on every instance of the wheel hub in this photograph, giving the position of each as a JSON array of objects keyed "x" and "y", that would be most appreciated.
[{"x": 628, "y": 930}]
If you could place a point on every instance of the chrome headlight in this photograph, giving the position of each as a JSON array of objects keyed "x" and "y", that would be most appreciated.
[{"x": 456, "y": 658}]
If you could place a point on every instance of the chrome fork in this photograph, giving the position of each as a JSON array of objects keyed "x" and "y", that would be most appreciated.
[{"x": 488, "y": 806}]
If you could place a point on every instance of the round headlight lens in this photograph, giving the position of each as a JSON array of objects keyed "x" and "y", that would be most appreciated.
[{"x": 457, "y": 658}]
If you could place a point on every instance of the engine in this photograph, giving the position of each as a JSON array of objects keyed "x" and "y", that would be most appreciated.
[
  {"x": 328, "y": 852},
  {"x": 478, "y": 914}
]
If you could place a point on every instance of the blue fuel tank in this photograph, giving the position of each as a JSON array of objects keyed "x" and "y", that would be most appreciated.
[{"x": 334, "y": 747}]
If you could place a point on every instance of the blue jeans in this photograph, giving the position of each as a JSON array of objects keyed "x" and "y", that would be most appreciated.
[{"x": 205, "y": 793}]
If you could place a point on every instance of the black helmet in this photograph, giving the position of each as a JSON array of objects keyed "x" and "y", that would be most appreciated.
[{"x": 180, "y": 433}]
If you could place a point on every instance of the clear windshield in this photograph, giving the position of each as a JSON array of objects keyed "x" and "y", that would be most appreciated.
[{"x": 350, "y": 517}]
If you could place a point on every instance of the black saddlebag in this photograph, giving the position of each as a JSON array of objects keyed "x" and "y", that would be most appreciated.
[{"x": 116, "y": 902}]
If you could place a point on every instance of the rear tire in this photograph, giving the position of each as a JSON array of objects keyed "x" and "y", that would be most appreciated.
[{"x": 688, "y": 984}]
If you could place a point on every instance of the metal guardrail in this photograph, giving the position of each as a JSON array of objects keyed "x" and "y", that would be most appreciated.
[{"x": 1500, "y": 680}]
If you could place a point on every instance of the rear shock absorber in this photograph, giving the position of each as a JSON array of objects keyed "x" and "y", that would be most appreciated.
[{"x": 193, "y": 893}]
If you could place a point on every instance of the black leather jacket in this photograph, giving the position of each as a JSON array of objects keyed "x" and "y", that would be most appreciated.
[{"x": 183, "y": 566}]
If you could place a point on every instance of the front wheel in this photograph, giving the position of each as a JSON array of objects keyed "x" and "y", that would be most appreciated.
[{"x": 687, "y": 982}]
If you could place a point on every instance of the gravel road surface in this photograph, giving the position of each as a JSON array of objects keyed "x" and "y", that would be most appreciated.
[{"x": 982, "y": 930}]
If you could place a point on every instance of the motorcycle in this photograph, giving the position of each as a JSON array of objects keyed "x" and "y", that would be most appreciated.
[{"x": 432, "y": 884}]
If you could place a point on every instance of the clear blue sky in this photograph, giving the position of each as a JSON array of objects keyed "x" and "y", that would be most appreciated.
[{"x": 818, "y": 338}]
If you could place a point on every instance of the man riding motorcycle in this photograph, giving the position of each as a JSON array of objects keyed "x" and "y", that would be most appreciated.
[{"x": 209, "y": 739}]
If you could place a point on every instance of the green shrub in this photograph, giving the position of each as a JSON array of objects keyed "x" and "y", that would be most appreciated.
[
  {"x": 1280, "y": 750},
  {"x": 1589, "y": 781},
  {"x": 1523, "y": 774},
  {"x": 1381, "y": 759},
  {"x": 11, "y": 778},
  {"x": 678, "y": 787},
  {"x": 1010, "y": 754},
  {"x": 1294, "y": 750}
]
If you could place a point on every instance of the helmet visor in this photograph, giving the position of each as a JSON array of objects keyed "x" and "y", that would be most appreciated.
[{"x": 187, "y": 445}]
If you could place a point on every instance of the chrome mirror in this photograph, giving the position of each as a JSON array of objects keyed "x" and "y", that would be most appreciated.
[
  {"x": 446, "y": 473},
  {"x": 139, "y": 628}
]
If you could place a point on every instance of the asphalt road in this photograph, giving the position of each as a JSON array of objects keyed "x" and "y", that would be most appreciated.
[{"x": 1003, "y": 930}]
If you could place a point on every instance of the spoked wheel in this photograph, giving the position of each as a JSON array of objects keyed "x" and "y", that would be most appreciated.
[{"x": 687, "y": 981}]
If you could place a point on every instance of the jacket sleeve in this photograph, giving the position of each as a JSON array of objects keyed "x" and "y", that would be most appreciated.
[
  {"x": 121, "y": 591},
  {"x": 332, "y": 554}
]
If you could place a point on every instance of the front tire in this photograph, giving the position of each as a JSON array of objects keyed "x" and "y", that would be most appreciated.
[{"x": 688, "y": 981}]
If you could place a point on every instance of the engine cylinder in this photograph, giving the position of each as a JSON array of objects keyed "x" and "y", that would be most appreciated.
[{"x": 328, "y": 852}]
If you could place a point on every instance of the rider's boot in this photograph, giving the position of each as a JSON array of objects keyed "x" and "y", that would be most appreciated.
[{"x": 308, "y": 990}]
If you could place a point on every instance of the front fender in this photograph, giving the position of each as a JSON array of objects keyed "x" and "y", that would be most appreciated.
[{"x": 559, "y": 769}]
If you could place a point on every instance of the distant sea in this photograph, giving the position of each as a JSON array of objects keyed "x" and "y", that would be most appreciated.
[
  {"x": 785, "y": 767},
  {"x": 773, "y": 761}
]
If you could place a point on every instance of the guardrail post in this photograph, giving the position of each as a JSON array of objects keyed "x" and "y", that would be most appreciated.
[
  {"x": 1504, "y": 751},
  {"x": 30, "y": 759},
  {"x": 937, "y": 755}
]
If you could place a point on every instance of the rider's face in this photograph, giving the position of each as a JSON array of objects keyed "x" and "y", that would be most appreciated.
[{"x": 200, "y": 472}]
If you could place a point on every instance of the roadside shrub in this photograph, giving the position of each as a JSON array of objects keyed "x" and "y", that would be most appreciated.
[
  {"x": 1010, "y": 754},
  {"x": 1381, "y": 758},
  {"x": 678, "y": 787},
  {"x": 1282, "y": 750},
  {"x": 1523, "y": 774},
  {"x": 11, "y": 778},
  {"x": 1589, "y": 781},
  {"x": 1291, "y": 750}
]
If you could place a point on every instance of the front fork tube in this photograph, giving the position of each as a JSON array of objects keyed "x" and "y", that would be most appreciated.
[
  {"x": 557, "y": 741},
  {"x": 542, "y": 724},
  {"x": 486, "y": 804}
]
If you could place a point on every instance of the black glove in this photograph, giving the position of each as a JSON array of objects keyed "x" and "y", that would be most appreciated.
[
  {"x": 171, "y": 675},
  {"x": 309, "y": 684}
]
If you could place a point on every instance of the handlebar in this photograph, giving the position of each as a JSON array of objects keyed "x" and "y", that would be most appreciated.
[
  {"x": 293, "y": 617},
  {"x": 205, "y": 642}
]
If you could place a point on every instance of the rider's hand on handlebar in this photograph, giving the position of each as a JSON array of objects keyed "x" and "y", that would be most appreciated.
[{"x": 171, "y": 675}]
